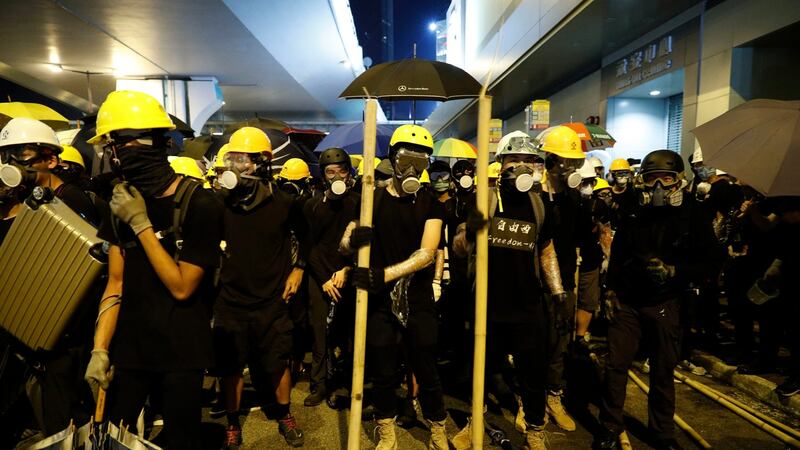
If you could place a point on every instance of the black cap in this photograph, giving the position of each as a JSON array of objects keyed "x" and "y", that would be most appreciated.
[{"x": 662, "y": 161}]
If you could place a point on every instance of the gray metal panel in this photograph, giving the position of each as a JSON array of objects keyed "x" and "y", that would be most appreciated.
[{"x": 46, "y": 271}]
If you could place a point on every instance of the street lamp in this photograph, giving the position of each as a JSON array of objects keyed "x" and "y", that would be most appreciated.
[{"x": 432, "y": 26}]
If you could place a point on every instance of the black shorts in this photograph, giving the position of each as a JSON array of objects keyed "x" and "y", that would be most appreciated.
[
  {"x": 259, "y": 337},
  {"x": 589, "y": 291}
]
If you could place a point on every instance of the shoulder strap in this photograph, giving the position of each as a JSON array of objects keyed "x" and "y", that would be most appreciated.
[{"x": 183, "y": 195}]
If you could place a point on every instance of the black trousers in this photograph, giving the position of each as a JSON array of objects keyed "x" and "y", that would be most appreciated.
[
  {"x": 527, "y": 343},
  {"x": 659, "y": 326},
  {"x": 559, "y": 335},
  {"x": 182, "y": 402},
  {"x": 384, "y": 336},
  {"x": 325, "y": 337}
]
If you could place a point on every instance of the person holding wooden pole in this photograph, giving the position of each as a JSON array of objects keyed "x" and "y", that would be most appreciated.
[
  {"x": 522, "y": 264},
  {"x": 403, "y": 240}
]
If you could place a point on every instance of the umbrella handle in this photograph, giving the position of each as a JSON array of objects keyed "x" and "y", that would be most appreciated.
[{"x": 101, "y": 405}]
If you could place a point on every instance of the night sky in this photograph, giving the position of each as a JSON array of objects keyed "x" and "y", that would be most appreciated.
[{"x": 411, "y": 19}]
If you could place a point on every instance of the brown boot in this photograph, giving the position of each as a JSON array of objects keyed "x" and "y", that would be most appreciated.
[
  {"x": 438, "y": 440},
  {"x": 556, "y": 410},
  {"x": 535, "y": 438},
  {"x": 387, "y": 439},
  {"x": 463, "y": 439}
]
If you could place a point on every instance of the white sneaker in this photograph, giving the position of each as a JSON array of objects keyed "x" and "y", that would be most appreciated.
[{"x": 694, "y": 369}]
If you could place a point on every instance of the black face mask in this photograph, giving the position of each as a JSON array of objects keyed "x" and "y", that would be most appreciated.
[
  {"x": 145, "y": 167},
  {"x": 69, "y": 175}
]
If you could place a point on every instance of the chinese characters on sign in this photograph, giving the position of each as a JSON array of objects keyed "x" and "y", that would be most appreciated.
[
  {"x": 511, "y": 233},
  {"x": 644, "y": 63}
]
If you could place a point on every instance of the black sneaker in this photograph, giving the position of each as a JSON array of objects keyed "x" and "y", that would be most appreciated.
[
  {"x": 318, "y": 395},
  {"x": 233, "y": 437},
  {"x": 289, "y": 430},
  {"x": 607, "y": 440},
  {"x": 407, "y": 414},
  {"x": 789, "y": 387}
]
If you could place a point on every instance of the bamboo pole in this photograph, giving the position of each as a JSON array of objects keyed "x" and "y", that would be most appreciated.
[
  {"x": 360, "y": 338},
  {"x": 481, "y": 271},
  {"x": 780, "y": 431},
  {"x": 680, "y": 422}
]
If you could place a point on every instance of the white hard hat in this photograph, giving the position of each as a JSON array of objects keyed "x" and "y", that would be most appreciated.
[
  {"x": 517, "y": 143},
  {"x": 503, "y": 142},
  {"x": 697, "y": 156},
  {"x": 587, "y": 170},
  {"x": 595, "y": 162},
  {"x": 28, "y": 131}
]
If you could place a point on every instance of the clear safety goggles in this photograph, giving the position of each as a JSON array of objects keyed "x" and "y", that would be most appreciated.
[
  {"x": 440, "y": 176},
  {"x": 603, "y": 194},
  {"x": 406, "y": 159},
  {"x": 523, "y": 142},
  {"x": 621, "y": 174},
  {"x": 666, "y": 179},
  {"x": 243, "y": 162}
]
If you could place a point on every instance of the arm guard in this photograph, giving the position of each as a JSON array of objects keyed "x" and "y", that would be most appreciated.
[
  {"x": 418, "y": 260},
  {"x": 344, "y": 244},
  {"x": 550, "y": 271},
  {"x": 439, "y": 272}
]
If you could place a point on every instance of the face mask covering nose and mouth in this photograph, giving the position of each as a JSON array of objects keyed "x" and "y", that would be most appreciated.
[
  {"x": 409, "y": 165},
  {"x": 520, "y": 177}
]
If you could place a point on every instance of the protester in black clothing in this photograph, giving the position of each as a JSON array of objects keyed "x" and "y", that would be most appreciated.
[
  {"x": 654, "y": 256},
  {"x": 258, "y": 278},
  {"x": 330, "y": 297},
  {"x": 405, "y": 236},
  {"x": 622, "y": 190},
  {"x": 160, "y": 329},
  {"x": 521, "y": 259},
  {"x": 564, "y": 157}
]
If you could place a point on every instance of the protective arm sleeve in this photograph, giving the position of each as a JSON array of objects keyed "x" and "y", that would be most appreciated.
[
  {"x": 418, "y": 260},
  {"x": 439, "y": 272},
  {"x": 550, "y": 270},
  {"x": 344, "y": 244}
]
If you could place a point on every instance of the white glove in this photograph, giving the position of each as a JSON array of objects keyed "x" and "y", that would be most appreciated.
[
  {"x": 437, "y": 290},
  {"x": 99, "y": 372}
]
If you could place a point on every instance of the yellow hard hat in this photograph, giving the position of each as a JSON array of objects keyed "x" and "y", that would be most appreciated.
[
  {"x": 130, "y": 110},
  {"x": 295, "y": 169},
  {"x": 183, "y": 165},
  {"x": 494, "y": 170},
  {"x": 425, "y": 178},
  {"x": 219, "y": 161},
  {"x": 600, "y": 185},
  {"x": 562, "y": 141},
  {"x": 250, "y": 140},
  {"x": 412, "y": 134},
  {"x": 361, "y": 166},
  {"x": 71, "y": 154},
  {"x": 619, "y": 164}
]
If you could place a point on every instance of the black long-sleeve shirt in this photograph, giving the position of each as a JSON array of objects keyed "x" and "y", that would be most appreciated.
[
  {"x": 679, "y": 236},
  {"x": 327, "y": 220}
]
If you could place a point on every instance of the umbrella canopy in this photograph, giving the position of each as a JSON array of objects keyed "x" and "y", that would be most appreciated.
[
  {"x": 454, "y": 148},
  {"x": 307, "y": 139},
  {"x": 414, "y": 78},
  {"x": 258, "y": 122},
  {"x": 757, "y": 142},
  {"x": 12, "y": 110},
  {"x": 593, "y": 137},
  {"x": 351, "y": 138}
]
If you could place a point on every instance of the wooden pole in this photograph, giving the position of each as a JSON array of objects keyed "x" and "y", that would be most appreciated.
[
  {"x": 360, "y": 338},
  {"x": 481, "y": 271},
  {"x": 680, "y": 422},
  {"x": 780, "y": 431}
]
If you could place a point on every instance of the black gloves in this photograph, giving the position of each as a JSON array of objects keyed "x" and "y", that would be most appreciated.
[
  {"x": 475, "y": 221},
  {"x": 359, "y": 237},
  {"x": 659, "y": 272},
  {"x": 370, "y": 279},
  {"x": 612, "y": 305},
  {"x": 562, "y": 312}
]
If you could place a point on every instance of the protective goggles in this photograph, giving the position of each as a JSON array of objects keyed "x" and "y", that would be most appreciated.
[
  {"x": 440, "y": 176},
  {"x": 621, "y": 173},
  {"x": 666, "y": 179},
  {"x": 605, "y": 193},
  {"x": 524, "y": 143},
  {"x": 406, "y": 159},
  {"x": 23, "y": 154}
]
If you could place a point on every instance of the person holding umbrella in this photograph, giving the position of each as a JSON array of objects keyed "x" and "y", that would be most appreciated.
[
  {"x": 330, "y": 297},
  {"x": 654, "y": 256},
  {"x": 155, "y": 304},
  {"x": 404, "y": 239}
]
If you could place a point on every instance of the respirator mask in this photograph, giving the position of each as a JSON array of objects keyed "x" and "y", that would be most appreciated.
[
  {"x": 408, "y": 167},
  {"x": 660, "y": 189},
  {"x": 564, "y": 169}
]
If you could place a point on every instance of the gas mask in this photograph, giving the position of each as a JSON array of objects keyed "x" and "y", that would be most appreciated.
[
  {"x": 463, "y": 173},
  {"x": 705, "y": 172},
  {"x": 466, "y": 182},
  {"x": 605, "y": 197},
  {"x": 564, "y": 169},
  {"x": 338, "y": 186},
  {"x": 408, "y": 166},
  {"x": 440, "y": 181},
  {"x": 520, "y": 177},
  {"x": 139, "y": 159},
  {"x": 657, "y": 192},
  {"x": 586, "y": 188},
  {"x": 621, "y": 178},
  {"x": 242, "y": 171},
  {"x": 703, "y": 189},
  {"x": 16, "y": 171}
]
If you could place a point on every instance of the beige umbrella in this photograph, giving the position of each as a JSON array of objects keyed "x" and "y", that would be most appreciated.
[{"x": 758, "y": 142}]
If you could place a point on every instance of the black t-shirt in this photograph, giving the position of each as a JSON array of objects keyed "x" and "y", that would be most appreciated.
[
  {"x": 259, "y": 249},
  {"x": 588, "y": 230},
  {"x": 154, "y": 331},
  {"x": 679, "y": 236},
  {"x": 5, "y": 227},
  {"x": 563, "y": 214},
  {"x": 455, "y": 213},
  {"x": 327, "y": 220},
  {"x": 624, "y": 204},
  {"x": 514, "y": 290},
  {"x": 724, "y": 196},
  {"x": 79, "y": 201},
  {"x": 399, "y": 223}
]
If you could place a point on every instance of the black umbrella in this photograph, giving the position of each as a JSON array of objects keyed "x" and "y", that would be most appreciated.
[{"x": 419, "y": 79}]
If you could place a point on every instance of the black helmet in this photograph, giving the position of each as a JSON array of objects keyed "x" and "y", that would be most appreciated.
[
  {"x": 334, "y": 155},
  {"x": 462, "y": 166},
  {"x": 662, "y": 161},
  {"x": 439, "y": 166}
]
